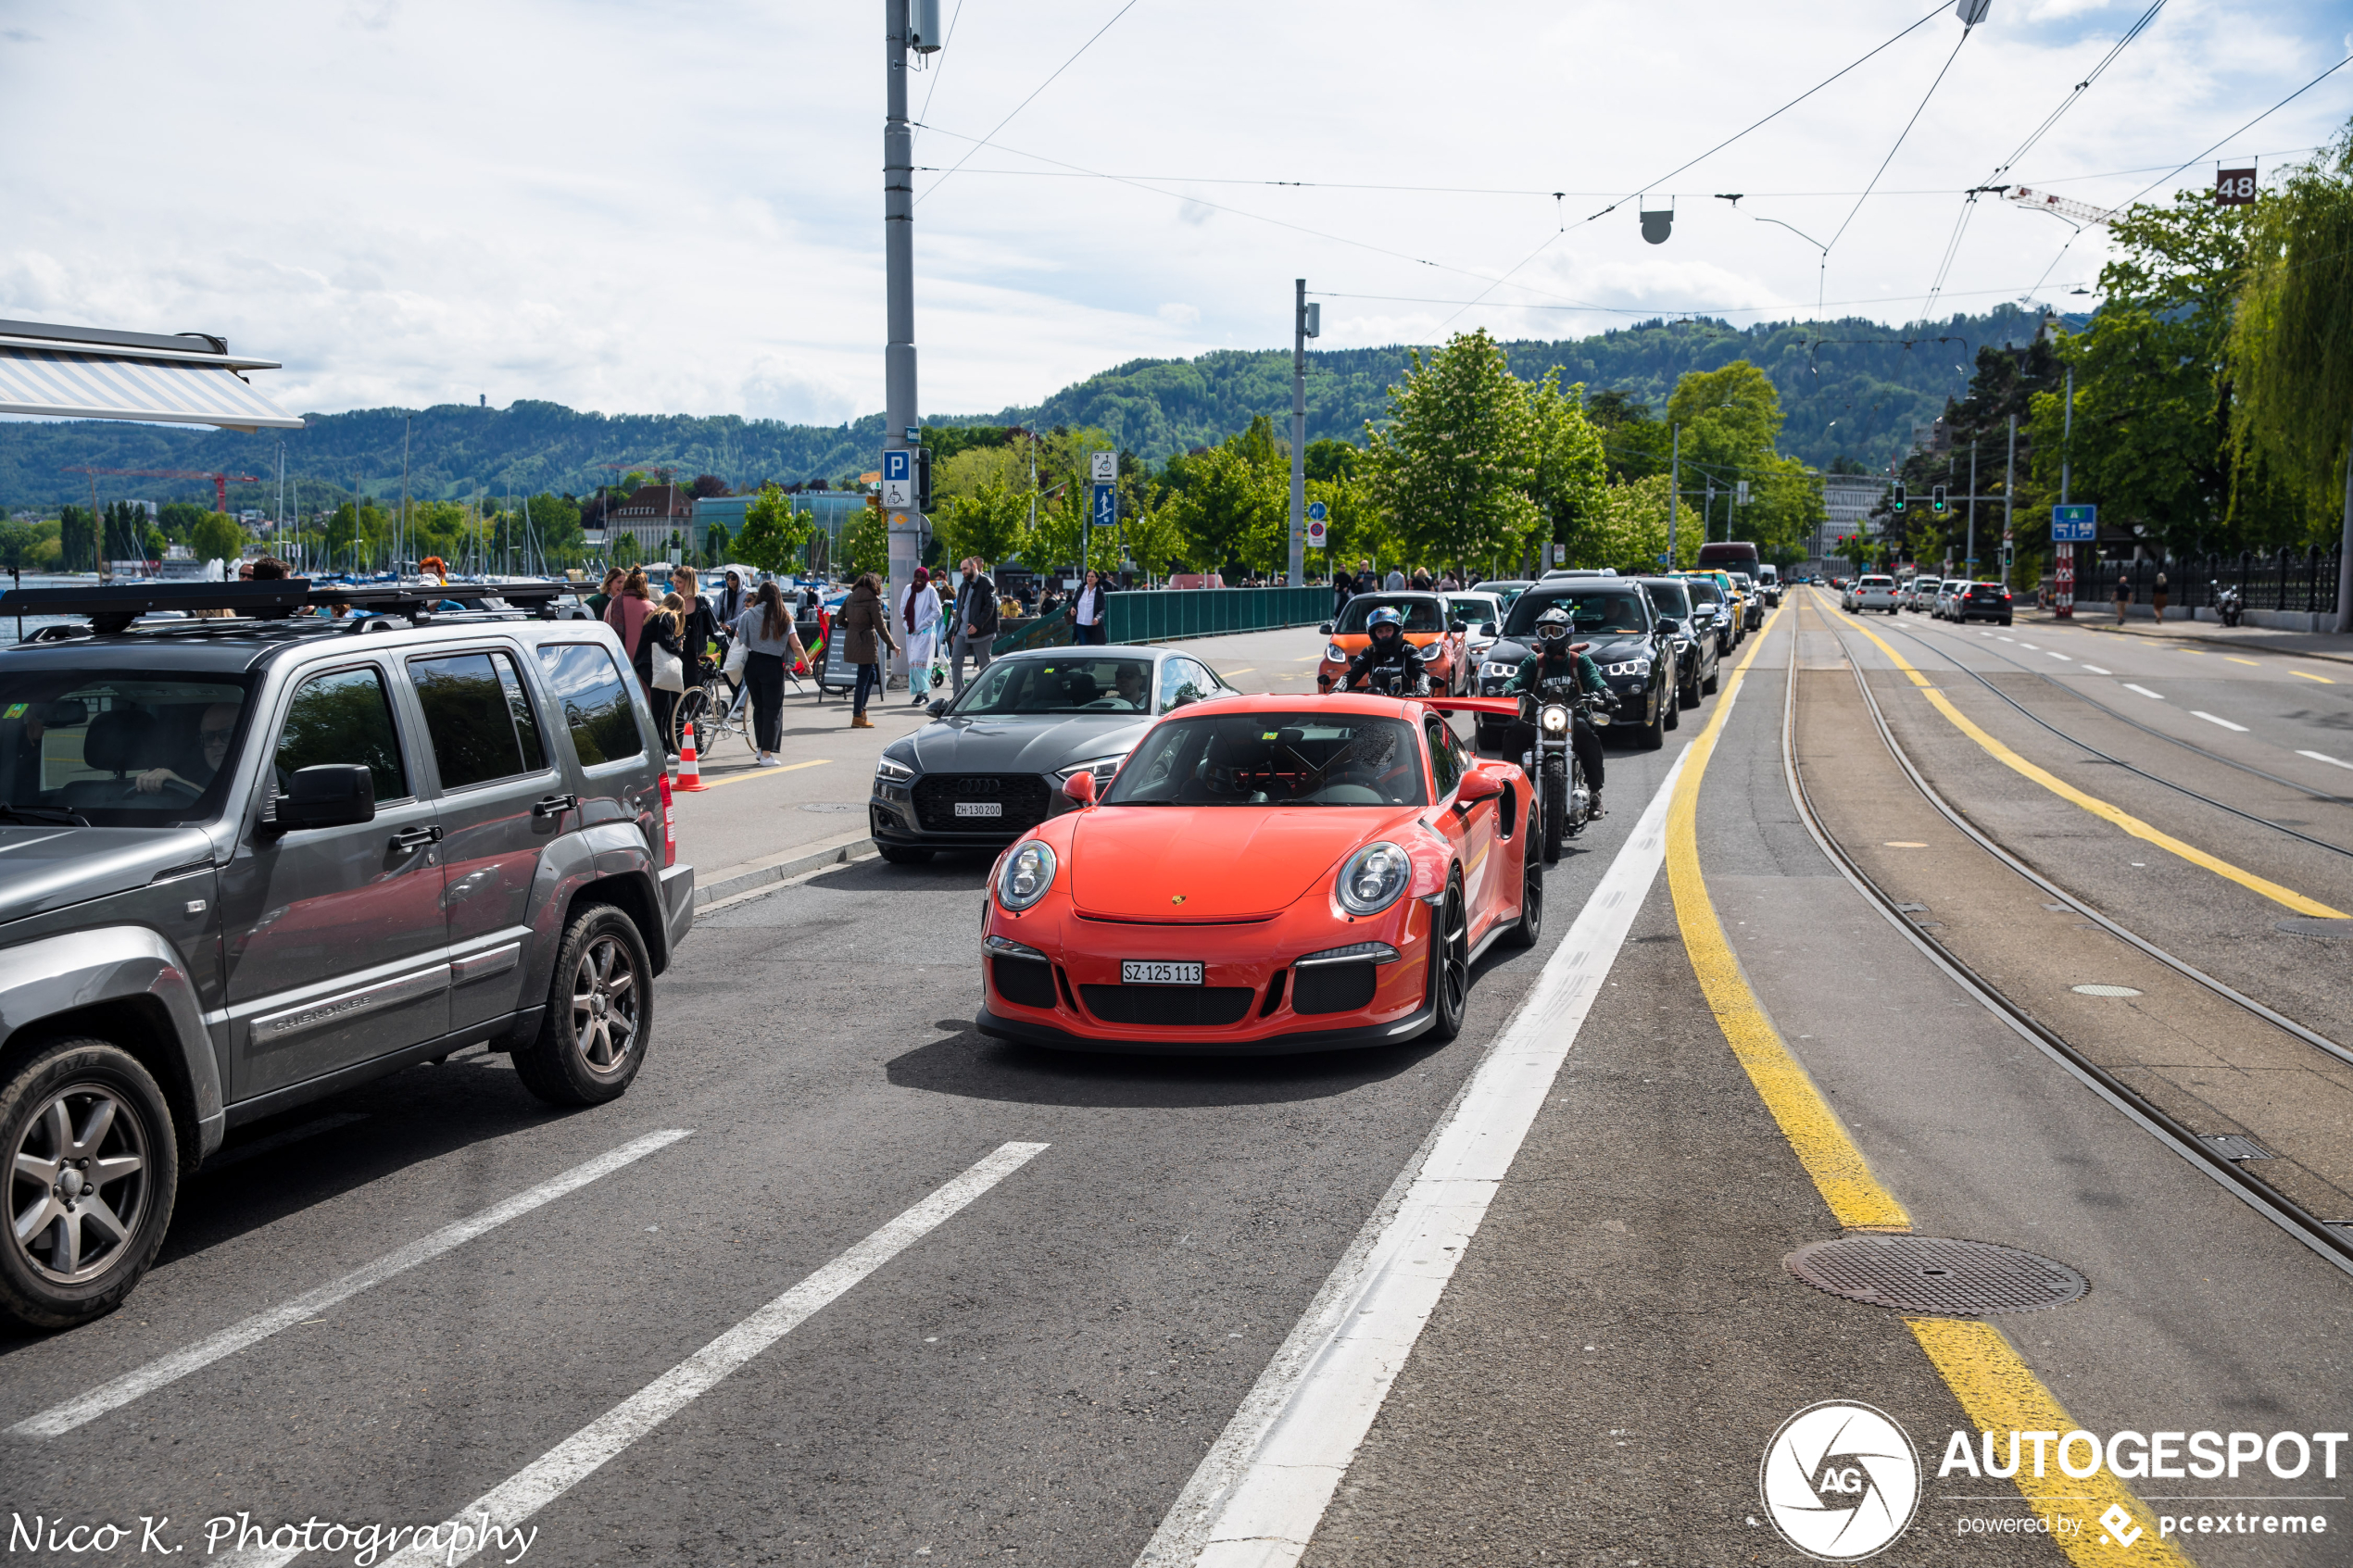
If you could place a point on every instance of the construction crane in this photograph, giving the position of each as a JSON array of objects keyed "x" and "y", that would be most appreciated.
[
  {"x": 2081, "y": 215},
  {"x": 219, "y": 480}
]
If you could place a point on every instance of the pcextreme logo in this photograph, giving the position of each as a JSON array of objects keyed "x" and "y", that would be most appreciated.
[{"x": 1840, "y": 1481}]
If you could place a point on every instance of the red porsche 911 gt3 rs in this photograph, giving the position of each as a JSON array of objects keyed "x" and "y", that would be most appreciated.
[{"x": 1266, "y": 875}]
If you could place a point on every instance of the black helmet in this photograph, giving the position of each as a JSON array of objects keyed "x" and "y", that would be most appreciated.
[
  {"x": 1553, "y": 624},
  {"x": 1385, "y": 616}
]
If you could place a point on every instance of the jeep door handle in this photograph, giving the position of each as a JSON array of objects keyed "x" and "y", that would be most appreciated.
[
  {"x": 555, "y": 806},
  {"x": 409, "y": 839}
]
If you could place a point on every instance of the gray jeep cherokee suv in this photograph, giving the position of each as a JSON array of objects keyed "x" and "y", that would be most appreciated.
[{"x": 247, "y": 862}]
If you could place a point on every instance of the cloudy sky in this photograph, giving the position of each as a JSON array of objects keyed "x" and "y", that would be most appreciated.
[{"x": 677, "y": 208}]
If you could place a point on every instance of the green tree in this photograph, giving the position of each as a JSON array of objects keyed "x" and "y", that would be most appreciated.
[
  {"x": 866, "y": 542},
  {"x": 773, "y": 533},
  {"x": 2292, "y": 346},
  {"x": 19, "y": 542},
  {"x": 1231, "y": 509},
  {"x": 1453, "y": 470},
  {"x": 1571, "y": 471},
  {"x": 177, "y": 519},
  {"x": 1353, "y": 527},
  {"x": 216, "y": 536},
  {"x": 78, "y": 540},
  {"x": 1156, "y": 540},
  {"x": 716, "y": 543}
]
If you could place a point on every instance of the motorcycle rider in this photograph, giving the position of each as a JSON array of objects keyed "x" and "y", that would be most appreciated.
[
  {"x": 1386, "y": 652},
  {"x": 1554, "y": 657}
]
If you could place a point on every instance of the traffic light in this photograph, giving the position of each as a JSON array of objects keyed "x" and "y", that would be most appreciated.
[
  {"x": 1936, "y": 500},
  {"x": 923, "y": 480},
  {"x": 1899, "y": 495}
]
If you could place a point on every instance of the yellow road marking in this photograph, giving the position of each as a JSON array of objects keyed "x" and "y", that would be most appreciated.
[
  {"x": 2286, "y": 896},
  {"x": 2002, "y": 1396},
  {"x": 2308, "y": 676},
  {"x": 1997, "y": 1390},
  {"x": 1829, "y": 1157},
  {"x": 756, "y": 772},
  {"x": 2236, "y": 660}
]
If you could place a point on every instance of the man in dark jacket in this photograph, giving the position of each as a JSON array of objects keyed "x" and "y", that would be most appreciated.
[{"x": 972, "y": 623}]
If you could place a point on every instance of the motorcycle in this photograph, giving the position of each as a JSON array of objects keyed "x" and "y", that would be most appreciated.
[
  {"x": 2227, "y": 608},
  {"x": 1390, "y": 681},
  {"x": 1564, "y": 802}
]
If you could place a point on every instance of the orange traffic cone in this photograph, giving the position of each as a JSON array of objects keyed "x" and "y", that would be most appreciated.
[{"x": 690, "y": 770}]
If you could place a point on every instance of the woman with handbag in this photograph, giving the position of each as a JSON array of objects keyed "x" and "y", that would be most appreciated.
[
  {"x": 919, "y": 612},
  {"x": 764, "y": 640},
  {"x": 651, "y": 639},
  {"x": 864, "y": 627}
]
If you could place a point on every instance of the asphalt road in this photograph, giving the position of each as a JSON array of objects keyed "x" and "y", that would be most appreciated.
[{"x": 1032, "y": 1368}]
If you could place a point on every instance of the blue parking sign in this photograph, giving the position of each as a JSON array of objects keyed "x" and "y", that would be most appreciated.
[
  {"x": 2075, "y": 524},
  {"x": 894, "y": 463},
  {"x": 1316, "y": 512}
]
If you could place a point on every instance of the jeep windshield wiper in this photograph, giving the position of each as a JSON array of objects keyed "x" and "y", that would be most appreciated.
[{"x": 43, "y": 814}]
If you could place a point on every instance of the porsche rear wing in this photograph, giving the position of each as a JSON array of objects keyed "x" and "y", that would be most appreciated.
[{"x": 1499, "y": 706}]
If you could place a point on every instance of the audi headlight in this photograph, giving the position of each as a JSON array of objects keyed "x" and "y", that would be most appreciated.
[
  {"x": 1374, "y": 878},
  {"x": 1335, "y": 653},
  {"x": 1102, "y": 767},
  {"x": 893, "y": 770},
  {"x": 1555, "y": 718},
  {"x": 1026, "y": 875}
]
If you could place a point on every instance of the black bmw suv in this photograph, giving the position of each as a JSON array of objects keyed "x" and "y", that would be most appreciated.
[{"x": 1636, "y": 653}]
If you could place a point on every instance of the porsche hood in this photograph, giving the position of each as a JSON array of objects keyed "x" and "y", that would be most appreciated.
[{"x": 1190, "y": 864}]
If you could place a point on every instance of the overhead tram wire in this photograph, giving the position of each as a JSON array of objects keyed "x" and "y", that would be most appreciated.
[
  {"x": 1025, "y": 102},
  {"x": 1941, "y": 8},
  {"x": 1996, "y": 181},
  {"x": 1900, "y": 137}
]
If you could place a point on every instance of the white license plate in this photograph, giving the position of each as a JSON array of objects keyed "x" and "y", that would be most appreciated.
[
  {"x": 980, "y": 807},
  {"x": 1151, "y": 971}
]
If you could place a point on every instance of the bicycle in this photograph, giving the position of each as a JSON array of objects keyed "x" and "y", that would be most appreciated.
[{"x": 715, "y": 707}]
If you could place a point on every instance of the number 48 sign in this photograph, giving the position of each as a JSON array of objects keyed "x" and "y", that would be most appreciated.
[{"x": 2234, "y": 187}]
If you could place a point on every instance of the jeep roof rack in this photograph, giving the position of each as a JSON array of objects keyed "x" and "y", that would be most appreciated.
[{"x": 111, "y": 609}]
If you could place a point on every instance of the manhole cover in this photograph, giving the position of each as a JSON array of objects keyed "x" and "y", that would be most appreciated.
[
  {"x": 1929, "y": 1273},
  {"x": 2313, "y": 925},
  {"x": 833, "y": 805},
  {"x": 2104, "y": 990}
]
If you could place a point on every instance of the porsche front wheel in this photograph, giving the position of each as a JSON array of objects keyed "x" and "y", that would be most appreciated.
[{"x": 1449, "y": 964}]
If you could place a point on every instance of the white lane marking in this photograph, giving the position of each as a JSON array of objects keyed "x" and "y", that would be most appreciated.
[
  {"x": 579, "y": 1456},
  {"x": 2056, "y": 654},
  {"x": 244, "y": 1152},
  {"x": 2201, "y": 713},
  {"x": 2095, "y": 669},
  {"x": 2027, "y": 645},
  {"x": 1263, "y": 1488},
  {"x": 2323, "y": 757},
  {"x": 2005, "y": 639},
  {"x": 2143, "y": 691},
  {"x": 60, "y": 1419}
]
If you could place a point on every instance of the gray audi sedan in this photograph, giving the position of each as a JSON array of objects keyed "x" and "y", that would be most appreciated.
[{"x": 992, "y": 764}]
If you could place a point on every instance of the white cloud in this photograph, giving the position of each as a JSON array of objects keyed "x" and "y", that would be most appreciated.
[{"x": 412, "y": 201}]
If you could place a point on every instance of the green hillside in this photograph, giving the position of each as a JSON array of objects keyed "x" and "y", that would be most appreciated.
[{"x": 1854, "y": 389}]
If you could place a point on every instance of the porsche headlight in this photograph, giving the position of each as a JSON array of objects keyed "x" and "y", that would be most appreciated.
[
  {"x": 1555, "y": 718},
  {"x": 1026, "y": 875},
  {"x": 893, "y": 771},
  {"x": 1374, "y": 878},
  {"x": 1334, "y": 653}
]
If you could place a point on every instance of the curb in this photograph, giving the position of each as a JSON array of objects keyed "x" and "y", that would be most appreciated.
[{"x": 836, "y": 855}]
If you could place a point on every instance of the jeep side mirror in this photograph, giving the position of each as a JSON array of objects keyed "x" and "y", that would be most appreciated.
[{"x": 331, "y": 794}]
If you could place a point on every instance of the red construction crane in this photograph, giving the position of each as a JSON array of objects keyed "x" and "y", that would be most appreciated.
[{"x": 219, "y": 480}]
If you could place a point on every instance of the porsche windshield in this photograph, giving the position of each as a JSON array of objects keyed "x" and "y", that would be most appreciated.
[
  {"x": 1012, "y": 686},
  {"x": 1420, "y": 611},
  {"x": 1274, "y": 760},
  {"x": 1591, "y": 611},
  {"x": 115, "y": 751}
]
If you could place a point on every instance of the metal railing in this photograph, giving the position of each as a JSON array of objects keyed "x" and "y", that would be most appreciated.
[
  {"x": 1162, "y": 614},
  {"x": 2289, "y": 580}
]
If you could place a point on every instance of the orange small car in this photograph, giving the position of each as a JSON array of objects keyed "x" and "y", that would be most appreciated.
[
  {"x": 1427, "y": 627},
  {"x": 1266, "y": 875}
]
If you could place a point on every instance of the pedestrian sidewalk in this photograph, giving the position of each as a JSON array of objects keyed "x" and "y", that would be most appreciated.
[{"x": 2332, "y": 646}]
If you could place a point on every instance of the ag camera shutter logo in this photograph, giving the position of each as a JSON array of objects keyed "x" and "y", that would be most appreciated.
[{"x": 1840, "y": 1481}]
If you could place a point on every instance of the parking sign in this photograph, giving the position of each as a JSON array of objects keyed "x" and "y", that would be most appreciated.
[{"x": 896, "y": 465}]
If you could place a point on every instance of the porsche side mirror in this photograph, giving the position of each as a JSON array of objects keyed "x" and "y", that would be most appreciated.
[
  {"x": 1080, "y": 788},
  {"x": 1478, "y": 784}
]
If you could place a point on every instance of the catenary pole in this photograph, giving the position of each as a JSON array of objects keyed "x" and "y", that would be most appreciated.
[
  {"x": 1973, "y": 510},
  {"x": 2066, "y": 608},
  {"x": 2010, "y": 484},
  {"x": 898, "y": 259},
  {"x": 1673, "y": 489},
  {"x": 1299, "y": 435}
]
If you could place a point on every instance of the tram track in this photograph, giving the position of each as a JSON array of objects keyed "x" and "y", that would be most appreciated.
[
  {"x": 2333, "y": 1242},
  {"x": 2179, "y": 788}
]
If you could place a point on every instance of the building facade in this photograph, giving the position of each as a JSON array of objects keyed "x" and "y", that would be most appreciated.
[{"x": 1847, "y": 499}]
